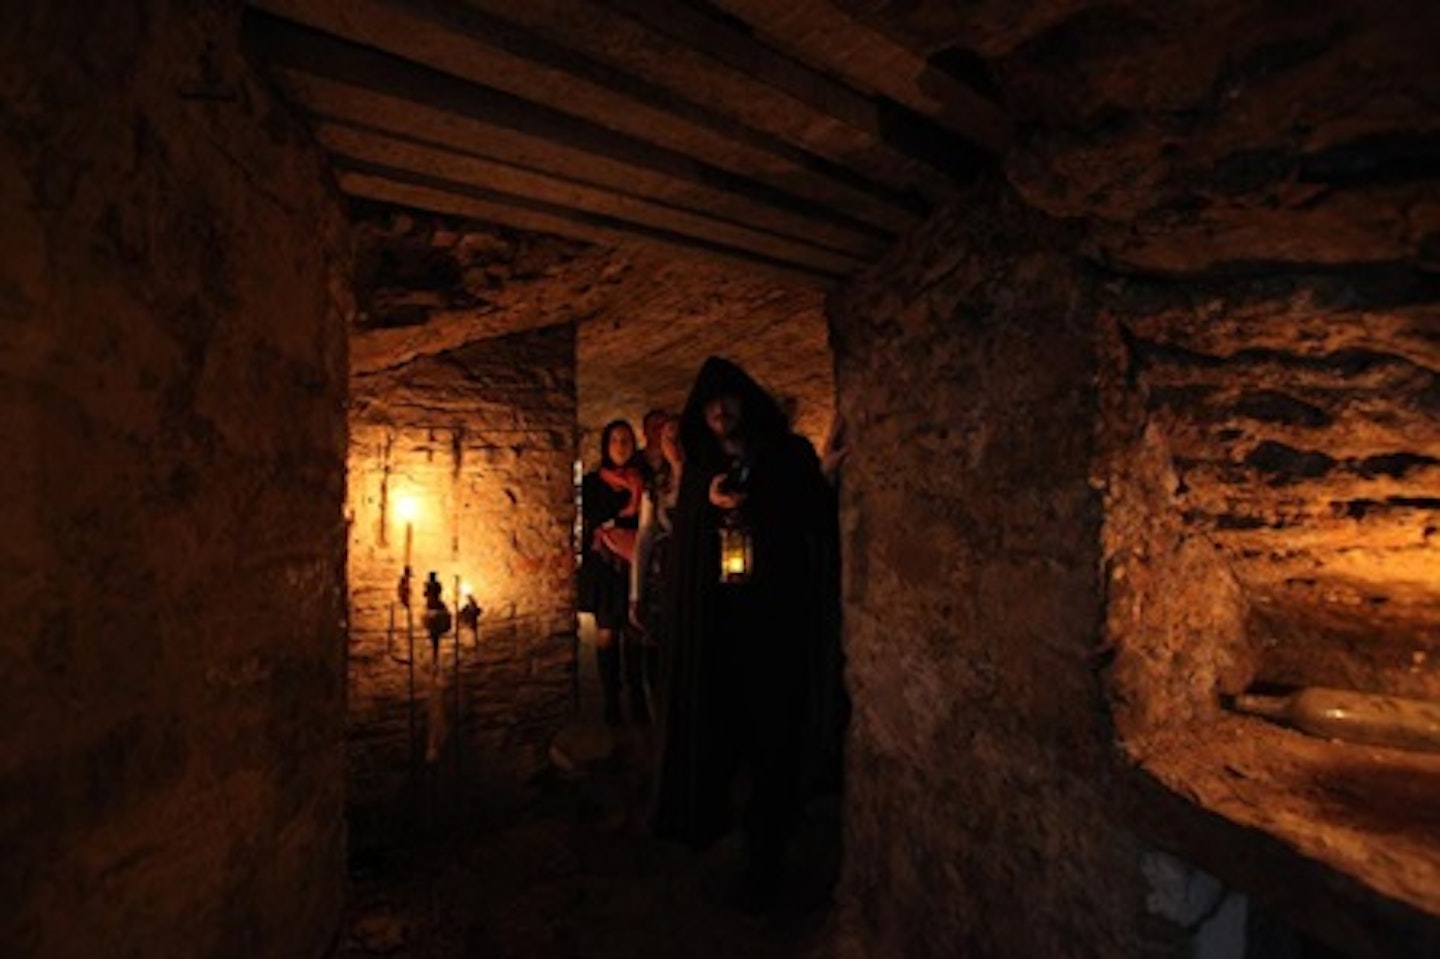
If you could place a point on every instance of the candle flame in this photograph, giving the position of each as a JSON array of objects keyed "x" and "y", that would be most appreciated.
[{"x": 407, "y": 507}]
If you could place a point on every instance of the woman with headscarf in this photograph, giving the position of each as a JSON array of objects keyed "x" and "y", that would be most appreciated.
[
  {"x": 748, "y": 664},
  {"x": 610, "y": 512}
]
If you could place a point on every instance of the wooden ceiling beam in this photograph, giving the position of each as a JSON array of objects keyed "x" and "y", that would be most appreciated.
[
  {"x": 474, "y": 46},
  {"x": 887, "y": 122},
  {"x": 818, "y": 32},
  {"x": 328, "y": 99},
  {"x": 702, "y": 55},
  {"x": 368, "y": 147},
  {"x": 403, "y": 189},
  {"x": 344, "y": 71}
]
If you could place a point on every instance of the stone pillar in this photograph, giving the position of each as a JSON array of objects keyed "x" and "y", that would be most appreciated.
[
  {"x": 980, "y": 812},
  {"x": 172, "y": 541}
]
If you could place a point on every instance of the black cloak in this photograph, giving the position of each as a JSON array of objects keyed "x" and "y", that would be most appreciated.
[{"x": 751, "y": 673}]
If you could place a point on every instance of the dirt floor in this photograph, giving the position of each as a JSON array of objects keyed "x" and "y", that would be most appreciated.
[{"x": 570, "y": 872}]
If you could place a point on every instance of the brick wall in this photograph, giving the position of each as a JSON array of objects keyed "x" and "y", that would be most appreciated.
[{"x": 479, "y": 440}]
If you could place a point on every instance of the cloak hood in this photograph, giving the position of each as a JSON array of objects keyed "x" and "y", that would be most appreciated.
[{"x": 761, "y": 419}]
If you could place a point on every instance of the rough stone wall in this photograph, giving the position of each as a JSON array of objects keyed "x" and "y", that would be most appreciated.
[
  {"x": 1253, "y": 193},
  {"x": 1269, "y": 465},
  {"x": 1226, "y": 136},
  {"x": 1175, "y": 614},
  {"x": 1295, "y": 438},
  {"x": 480, "y": 440},
  {"x": 647, "y": 356},
  {"x": 646, "y": 321},
  {"x": 980, "y": 787},
  {"x": 427, "y": 284},
  {"x": 172, "y": 541},
  {"x": 1258, "y": 188}
]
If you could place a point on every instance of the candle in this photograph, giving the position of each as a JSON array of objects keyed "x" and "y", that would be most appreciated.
[{"x": 406, "y": 509}]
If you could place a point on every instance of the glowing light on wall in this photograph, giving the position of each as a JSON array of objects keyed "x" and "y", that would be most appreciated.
[
  {"x": 407, "y": 510},
  {"x": 407, "y": 507}
]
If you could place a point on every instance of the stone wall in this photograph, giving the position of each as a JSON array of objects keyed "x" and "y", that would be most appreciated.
[
  {"x": 1288, "y": 532},
  {"x": 1269, "y": 453},
  {"x": 172, "y": 541},
  {"x": 1260, "y": 197},
  {"x": 1243, "y": 305},
  {"x": 479, "y": 440},
  {"x": 1258, "y": 188},
  {"x": 645, "y": 320},
  {"x": 981, "y": 789},
  {"x": 647, "y": 356}
]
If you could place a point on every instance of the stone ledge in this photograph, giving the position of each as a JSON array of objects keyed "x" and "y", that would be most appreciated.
[{"x": 1341, "y": 840}]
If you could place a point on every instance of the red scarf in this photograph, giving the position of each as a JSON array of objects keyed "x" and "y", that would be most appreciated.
[
  {"x": 618, "y": 542},
  {"x": 626, "y": 479}
]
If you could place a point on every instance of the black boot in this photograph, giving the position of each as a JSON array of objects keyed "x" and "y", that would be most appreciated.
[{"x": 608, "y": 659}]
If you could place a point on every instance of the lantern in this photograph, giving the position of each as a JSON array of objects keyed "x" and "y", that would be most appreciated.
[{"x": 737, "y": 560}]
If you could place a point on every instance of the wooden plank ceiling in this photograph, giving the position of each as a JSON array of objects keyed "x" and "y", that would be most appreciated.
[{"x": 782, "y": 134}]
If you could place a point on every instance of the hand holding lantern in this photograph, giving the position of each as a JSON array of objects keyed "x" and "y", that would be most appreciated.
[{"x": 727, "y": 491}]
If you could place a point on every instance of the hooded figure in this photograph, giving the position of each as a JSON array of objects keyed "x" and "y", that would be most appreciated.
[{"x": 752, "y": 670}]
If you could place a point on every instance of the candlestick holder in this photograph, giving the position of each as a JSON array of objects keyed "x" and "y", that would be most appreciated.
[
  {"x": 403, "y": 595},
  {"x": 436, "y": 617},
  {"x": 469, "y": 615},
  {"x": 402, "y": 588}
]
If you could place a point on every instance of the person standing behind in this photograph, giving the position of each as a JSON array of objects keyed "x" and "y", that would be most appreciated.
[
  {"x": 651, "y": 427},
  {"x": 650, "y": 571},
  {"x": 740, "y": 660},
  {"x": 610, "y": 515}
]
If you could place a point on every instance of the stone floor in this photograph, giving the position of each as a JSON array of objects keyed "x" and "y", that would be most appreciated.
[{"x": 569, "y": 872}]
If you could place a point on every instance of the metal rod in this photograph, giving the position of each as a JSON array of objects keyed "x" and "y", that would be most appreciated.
[
  {"x": 390, "y": 639},
  {"x": 410, "y": 663},
  {"x": 458, "y": 725}
]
